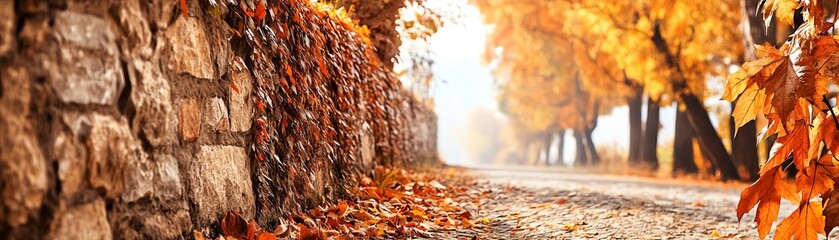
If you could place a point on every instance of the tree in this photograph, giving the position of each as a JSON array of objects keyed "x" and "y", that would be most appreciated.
[
  {"x": 536, "y": 85},
  {"x": 527, "y": 38},
  {"x": 683, "y": 161},
  {"x": 676, "y": 45}
]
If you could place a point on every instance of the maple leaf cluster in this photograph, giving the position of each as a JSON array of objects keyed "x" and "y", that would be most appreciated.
[
  {"x": 789, "y": 87},
  {"x": 396, "y": 203}
]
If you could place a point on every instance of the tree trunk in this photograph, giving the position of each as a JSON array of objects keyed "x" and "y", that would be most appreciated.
[
  {"x": 650, "y": 140},
  {"x": 581, "y": 158},
  {"x": 525, "y": 151},
  {"x": 754, "y": 30},
  {"x": 768, "y": 143},
  {"x": 683, "y": 162},
  {"x": 560, "y": 159},
  {"x": 744, "y": 143},
  {"x": 593, "y": 157},
  {"x": 698, "y": 116},
  {"x": 744, "y": 150},
  {"x": 548, "y": 140},
  {"x": 634, "y": 103},
  {"x": 709, "y": 140}
]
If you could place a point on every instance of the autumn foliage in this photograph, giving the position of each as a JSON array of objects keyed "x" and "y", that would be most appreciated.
[
  {"x": 395, "y": 203},
  {"x": 789, "y": 87},
  {"x": 318, "y": 85}
]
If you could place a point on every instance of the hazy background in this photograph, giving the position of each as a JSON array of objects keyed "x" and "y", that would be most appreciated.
[{"x": 464, "y": 86}]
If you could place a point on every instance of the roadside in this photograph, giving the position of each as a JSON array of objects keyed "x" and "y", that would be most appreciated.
[{"x": 540, "y": 203}]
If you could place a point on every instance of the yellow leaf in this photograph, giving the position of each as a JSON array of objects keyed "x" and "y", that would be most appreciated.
[
  {"x": 784, "y": 9},
  {"x": 748, "y": 106}
]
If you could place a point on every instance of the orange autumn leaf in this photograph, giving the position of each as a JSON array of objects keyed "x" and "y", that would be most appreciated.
[
  {"x": 258, "y": 13},
  {"x": 362, "y": 215},
  {"x": 766, "y": 193},
  {"x": 796, "y": 143},
  {"x": 338, "y": 211},
  {"x": 184, "y": 8},
  {"x": 266, "y": 236},
  {"x": 806, "y": 222},
  {"x": 769, "y": 58},
  {"x": 817, "y": 178},
  {"x": 233, "y": 225}
]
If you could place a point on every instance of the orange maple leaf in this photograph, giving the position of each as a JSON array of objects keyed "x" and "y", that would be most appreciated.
[
  {"x": 796, "y": 142},
  {"x": 769, "y": 58},
  {"x": 806, "y": 222},
  {"x": 818, "y": 177},
  {"x": 766, "y": 193}
]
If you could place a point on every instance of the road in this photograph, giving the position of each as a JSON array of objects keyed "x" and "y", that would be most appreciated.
[{"x": 545, "y": 203}]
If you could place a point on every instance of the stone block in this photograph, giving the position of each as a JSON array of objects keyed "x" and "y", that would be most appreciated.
[
  {"x": 219, "y": 181},
  {"x": 138, "y": 171},
  {"x": 168, "y": 226},
  {"x": 167, "y": 180},
  {"x": 7, "y": 26},
  {"x": 138, "y": 35},
  {"x": 241, "y": 104},
  {"x": 87, "y": 70},
  {"x": 85, "y": 221},
  {"x": 71, "y": 163},
  {"x": 117, "y": 163},
  {"x": 189, "y": 120},
  {"x": 23, "y": 168},
  {"x": 216, "y": 115},
  {"x": 151, "y": 96},
  {"x": 190, "y": 48}
]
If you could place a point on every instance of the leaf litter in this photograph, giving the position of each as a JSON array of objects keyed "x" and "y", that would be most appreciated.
[{"x": 395, "y": 203}]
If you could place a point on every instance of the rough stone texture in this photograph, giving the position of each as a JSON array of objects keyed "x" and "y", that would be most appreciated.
[
  {"x": 165, "y": 226},
  {"x": 23, "y": 169},
  {"x": 218, "y": 180},
  {"x": 87, "y": 69},
  {"x": 216, "y": 115},
  {"x": 137, "y": 175},
  {"x": 85, "y": 221},
  {"x": 190, "y": 49},
  {"x": 71, "y": 158},
  {"x": 7, "y": 24},
  {"x": 151, "y": 96},
  {"x": 167, "y": 180},
  {"x": 138, "y": 35},
  {"x": 118, "y": 165},
  {"x": 33, "y": 33},
  {"x": 189, "y": 120},
  {"x": 368, "y": 152},
  {"x": 241, "y": 104}
]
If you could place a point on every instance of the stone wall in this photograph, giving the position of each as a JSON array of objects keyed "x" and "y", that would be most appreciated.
[{"x": 132, "y": 119}]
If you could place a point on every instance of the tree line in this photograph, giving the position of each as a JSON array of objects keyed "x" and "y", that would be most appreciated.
[{"x": 559, "y": 65}]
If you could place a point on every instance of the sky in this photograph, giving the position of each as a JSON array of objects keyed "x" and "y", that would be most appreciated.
[{"x": 463, "y": 84}]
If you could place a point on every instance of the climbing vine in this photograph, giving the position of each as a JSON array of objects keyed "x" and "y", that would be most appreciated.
[{"x": 318, "y": 85}]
